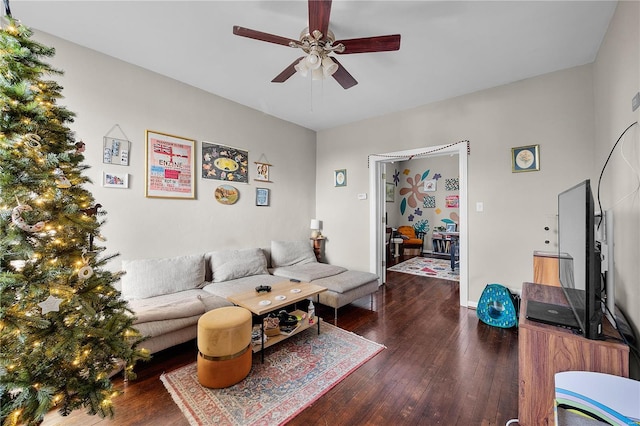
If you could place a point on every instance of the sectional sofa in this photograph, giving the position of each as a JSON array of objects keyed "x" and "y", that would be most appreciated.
[{"x": 168, "y": 296}]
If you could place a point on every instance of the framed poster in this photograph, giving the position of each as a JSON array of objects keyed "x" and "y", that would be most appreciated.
[
  {"x": 225, "y": 163},
  {"x": 262, "y": 196},
  {"x": 170, "y": 166},
  {"x": 525, "y": 159}
]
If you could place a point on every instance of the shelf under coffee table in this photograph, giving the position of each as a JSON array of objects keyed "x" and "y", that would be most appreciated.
[{"x": 255, "y": 302}]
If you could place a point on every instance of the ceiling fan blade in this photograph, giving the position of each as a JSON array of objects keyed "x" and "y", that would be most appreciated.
[
  {"x": 370, "y": 44},
  {"x": 287, "y": 72},
  {"x": 343, "y": 77},
  {"x": 319, "y": 12},
  {"x": 259, "y": 35}
]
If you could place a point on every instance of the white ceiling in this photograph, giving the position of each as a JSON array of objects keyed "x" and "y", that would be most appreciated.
[{"x": 448, "y": 48}]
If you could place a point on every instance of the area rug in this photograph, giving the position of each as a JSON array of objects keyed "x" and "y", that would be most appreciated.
[
  {"x": 428, "y": 267},
  {"x": 295, "y": 373}
]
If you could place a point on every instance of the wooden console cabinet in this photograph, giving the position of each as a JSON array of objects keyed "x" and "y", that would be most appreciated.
[{"x": 544, "y": 350}]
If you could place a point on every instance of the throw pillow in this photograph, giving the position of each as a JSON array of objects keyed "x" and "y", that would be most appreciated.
[
  {"x": 231, "y": 264},
  {"x": 287, "y": 253},
  {"x": 155, "y": 277}
]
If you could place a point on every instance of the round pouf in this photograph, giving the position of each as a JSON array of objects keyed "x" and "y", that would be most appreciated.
[{"x": 224, "y": 346}]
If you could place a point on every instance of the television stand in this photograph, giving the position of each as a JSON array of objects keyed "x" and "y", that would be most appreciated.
[{"x": 544, "y": 350}]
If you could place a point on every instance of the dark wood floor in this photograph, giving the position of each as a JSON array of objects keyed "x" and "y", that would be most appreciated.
[{"x": 440, "y": 366}]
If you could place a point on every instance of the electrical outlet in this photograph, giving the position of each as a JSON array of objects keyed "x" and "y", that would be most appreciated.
[{"x": 635, "y": 102}]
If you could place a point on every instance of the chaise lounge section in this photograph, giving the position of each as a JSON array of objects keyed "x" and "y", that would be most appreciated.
[{"x": 296, "y": 260}]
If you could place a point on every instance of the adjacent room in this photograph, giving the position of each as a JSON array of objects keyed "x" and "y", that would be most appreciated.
[{"x": 319, "y": 212}]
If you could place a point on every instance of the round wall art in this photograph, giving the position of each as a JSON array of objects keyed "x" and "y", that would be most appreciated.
[{"x": 226, "y": 194}]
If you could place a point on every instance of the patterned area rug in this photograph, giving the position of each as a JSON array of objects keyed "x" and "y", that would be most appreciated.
[
  {"x": 428, "y": 267},
  {"x": 295, "y": 373}
]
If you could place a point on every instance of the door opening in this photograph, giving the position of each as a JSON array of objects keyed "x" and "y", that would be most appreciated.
[{"x": 377, "y": 164}]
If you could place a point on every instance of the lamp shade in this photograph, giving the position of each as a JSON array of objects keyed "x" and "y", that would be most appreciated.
[
  {"x": 313, "y": 60},
  {"x": 301, "y": 67},
  {"x": 329, "y": 67},
  {"x": 315, "y": 224}
]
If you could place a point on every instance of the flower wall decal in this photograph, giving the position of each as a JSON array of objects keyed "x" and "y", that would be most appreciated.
[{"x": 414, "y": 193}]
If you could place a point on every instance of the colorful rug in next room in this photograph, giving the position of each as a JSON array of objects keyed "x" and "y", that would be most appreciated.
[
  {"x": 295, "y": 373},
  {"x": 428, "y": 267}
]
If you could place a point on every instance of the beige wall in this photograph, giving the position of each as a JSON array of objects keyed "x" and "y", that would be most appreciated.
[
  {"x": 554, "y": 111},
  {"x": 616, "y": 80},
  {"x": 104, "y": 92}
]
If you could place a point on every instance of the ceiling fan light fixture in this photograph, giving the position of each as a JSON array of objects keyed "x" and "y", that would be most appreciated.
[
  {"x": 317, "y": 74},
  {"x": 329, "y": 67},
  {"x": 301, "y": 67},
  {"x": 313, "y": 60}
]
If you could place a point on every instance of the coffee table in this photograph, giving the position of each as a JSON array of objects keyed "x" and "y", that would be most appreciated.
[{"x": 282, "y": 294}]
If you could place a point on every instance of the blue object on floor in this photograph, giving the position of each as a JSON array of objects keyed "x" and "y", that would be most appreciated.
[{"x": 497, "y": 307}]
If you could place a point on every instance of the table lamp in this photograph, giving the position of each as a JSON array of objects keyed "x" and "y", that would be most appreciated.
[{"x": 316, "y": 226}]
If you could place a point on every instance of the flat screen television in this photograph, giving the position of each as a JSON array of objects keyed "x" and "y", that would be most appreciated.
[{"x": 579, "y": 258}]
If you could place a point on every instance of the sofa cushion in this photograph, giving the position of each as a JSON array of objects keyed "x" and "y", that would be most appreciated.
[
  {"x": 308, "y": 272},
  {"x": 346, "y": 281},
  {"x": 154, "y": 277},
  {"x": 233, "y": 264},
  {"x": 287, "y": 253},
  {"x": 182, "y": 304}
]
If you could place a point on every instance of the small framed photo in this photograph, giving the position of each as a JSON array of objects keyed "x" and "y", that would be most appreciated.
[
  {"x": 390, "y": 191},
  {"x": 451, "y": 227},
  {"x": 115, "y": 151},
  {"x": 262, "y": 172},
  {"x": 115, "y": 180},
  {"x": 430, "y": 185},
  {"x": 262, "y": 197},
  {"x": 525, "y": 158},
  {"x": 340, "y": 177}
]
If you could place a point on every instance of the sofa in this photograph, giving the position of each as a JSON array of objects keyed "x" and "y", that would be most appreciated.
[{"x": 168, "y": 296}]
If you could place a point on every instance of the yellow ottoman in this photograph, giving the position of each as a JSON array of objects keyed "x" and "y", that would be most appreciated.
[{"x": 224, "y": 346}]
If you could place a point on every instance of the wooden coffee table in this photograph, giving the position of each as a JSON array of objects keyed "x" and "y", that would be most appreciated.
[{"x": 282, "y": 294}]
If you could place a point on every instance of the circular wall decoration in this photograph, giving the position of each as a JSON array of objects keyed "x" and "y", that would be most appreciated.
[{"x": 226, "y": 194}]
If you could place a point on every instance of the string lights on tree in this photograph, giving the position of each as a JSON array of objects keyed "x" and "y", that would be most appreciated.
[{"x": 64, "y": 331}]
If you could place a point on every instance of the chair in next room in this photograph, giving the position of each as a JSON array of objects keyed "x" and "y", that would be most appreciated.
[{"x": 412, "y": 242}]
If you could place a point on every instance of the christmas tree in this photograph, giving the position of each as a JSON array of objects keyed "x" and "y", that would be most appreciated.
[{"x": 64, "y": 331}]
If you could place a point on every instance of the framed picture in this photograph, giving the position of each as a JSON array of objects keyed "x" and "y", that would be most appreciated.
[
  {"x": 262, "y": 196},
  {"x": 430, "y": 185},
  {"x": 451, "y": 201},
  {"x": 170, "y": 166},
  {"x": 115, "y": 180},
  {"x": 262, "y": 172},
  {"x": 115, "y": 151},
  {"x": 451, "y": 227},
  {"x": 222, "y": 162},
  {"x": 390, "y": 192},
  {"x": 340, "y": 177},
  {"x": 525, "y": 159}
]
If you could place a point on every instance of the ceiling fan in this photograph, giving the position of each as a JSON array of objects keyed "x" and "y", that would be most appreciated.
[{"x": 317, "y": 41}]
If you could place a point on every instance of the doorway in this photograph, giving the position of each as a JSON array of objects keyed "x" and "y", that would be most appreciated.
[{"x": 377, "y": 206}]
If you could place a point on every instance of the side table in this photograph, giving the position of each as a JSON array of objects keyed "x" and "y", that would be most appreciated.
[{"x": 317, "y": 247}]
